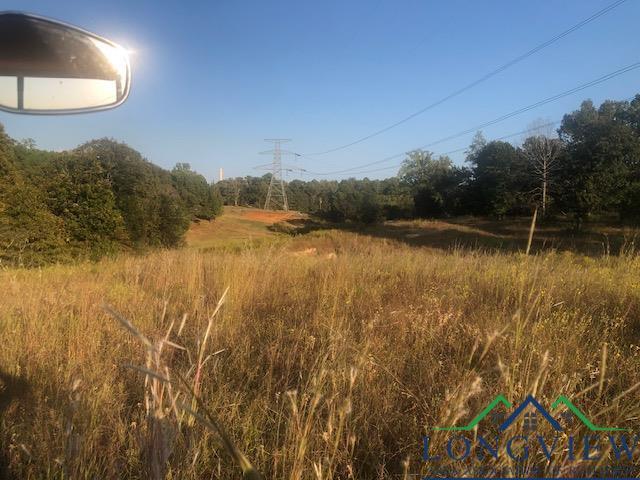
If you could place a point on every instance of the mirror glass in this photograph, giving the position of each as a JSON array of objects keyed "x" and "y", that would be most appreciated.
[{"x": 50, "y": 67}]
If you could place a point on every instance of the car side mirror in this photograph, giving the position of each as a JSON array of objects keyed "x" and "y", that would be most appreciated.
[{"x": 48, "y": 67}]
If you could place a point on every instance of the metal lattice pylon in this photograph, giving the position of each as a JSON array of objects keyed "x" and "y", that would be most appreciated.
[{"x": 276, "y": 195}]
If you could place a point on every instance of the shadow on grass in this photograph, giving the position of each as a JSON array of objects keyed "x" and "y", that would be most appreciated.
[
  {"x": 12, "y": 389},
  {"x": 510, "y": 235}
]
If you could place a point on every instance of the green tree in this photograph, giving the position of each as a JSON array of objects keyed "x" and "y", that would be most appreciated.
[
  {"x": 139, "y": 186},
  {"x": 7, "y": 157},
  {"x": 354, "y": 200},
  {"x": 79, "y": 193},
  {"x": 30, "y": 235},
  {"x": 499, "y": 179},
  {"x": 435, "y": 183},
  {"x": 214, "y": 200},
  {"x": 173, "y": 222},
  {"x": 396, "y": 198},
  {"x": 200, "y": 199},
  {"x": 600, "y": 168},
  {"x": 92, "y": 201}
]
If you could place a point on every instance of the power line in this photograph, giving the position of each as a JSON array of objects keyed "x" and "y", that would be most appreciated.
[
  {"x": 540, "y": 103},
  {"x": 457, "y": 150},
  {"x": 480, "y": 80},
  {"x": 462, "y": 149}
]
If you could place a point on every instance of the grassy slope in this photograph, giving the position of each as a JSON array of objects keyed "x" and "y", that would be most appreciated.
[
  {"x": 335, "y": 351},
  {"x": 238, "y": 228}
]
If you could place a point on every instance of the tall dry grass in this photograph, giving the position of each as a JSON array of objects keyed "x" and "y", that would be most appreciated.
[{"x": 326, "y": 365}]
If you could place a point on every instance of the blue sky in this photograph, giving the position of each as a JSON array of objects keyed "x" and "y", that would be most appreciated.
[{"x": 212, "y": 79}]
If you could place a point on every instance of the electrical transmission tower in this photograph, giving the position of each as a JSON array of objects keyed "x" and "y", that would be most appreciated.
[{"x": 277, "y": 194}]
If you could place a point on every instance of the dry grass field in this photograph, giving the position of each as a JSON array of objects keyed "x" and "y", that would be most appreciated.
[
  {"x": 239, "y": 228},
  {"x": 331, "y": 356}
]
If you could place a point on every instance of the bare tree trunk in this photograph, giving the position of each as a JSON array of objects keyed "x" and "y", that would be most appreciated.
[
  {"x": 544, "y": 189},
  {"x": 542, "y": 151}
]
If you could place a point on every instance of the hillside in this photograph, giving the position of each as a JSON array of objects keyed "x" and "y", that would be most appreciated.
[{"x": 237, "y": 226}]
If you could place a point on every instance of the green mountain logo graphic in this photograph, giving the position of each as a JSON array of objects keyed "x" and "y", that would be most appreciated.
[{"x": 561, "y": 400}]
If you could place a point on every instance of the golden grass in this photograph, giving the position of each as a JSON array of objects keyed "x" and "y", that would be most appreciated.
[
  {"x": 509, "y": 235},
  {"x": 318, "y": 366},
  {"x": 238, "y": 228}
]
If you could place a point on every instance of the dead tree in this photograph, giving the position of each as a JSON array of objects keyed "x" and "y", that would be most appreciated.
[{"x": 542, "y": 152}]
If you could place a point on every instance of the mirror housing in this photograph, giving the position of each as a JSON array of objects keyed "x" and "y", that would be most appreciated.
[{"x": 49, "y": 67}]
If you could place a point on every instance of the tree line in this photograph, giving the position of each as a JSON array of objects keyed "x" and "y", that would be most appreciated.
[
  {"x": 103, "y": 196},
  {"x": 589, "y": 166},
  {"x": 97, "y": 199}
]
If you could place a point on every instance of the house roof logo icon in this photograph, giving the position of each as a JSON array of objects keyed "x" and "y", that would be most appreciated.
[{"x": 530, "y": 401}]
